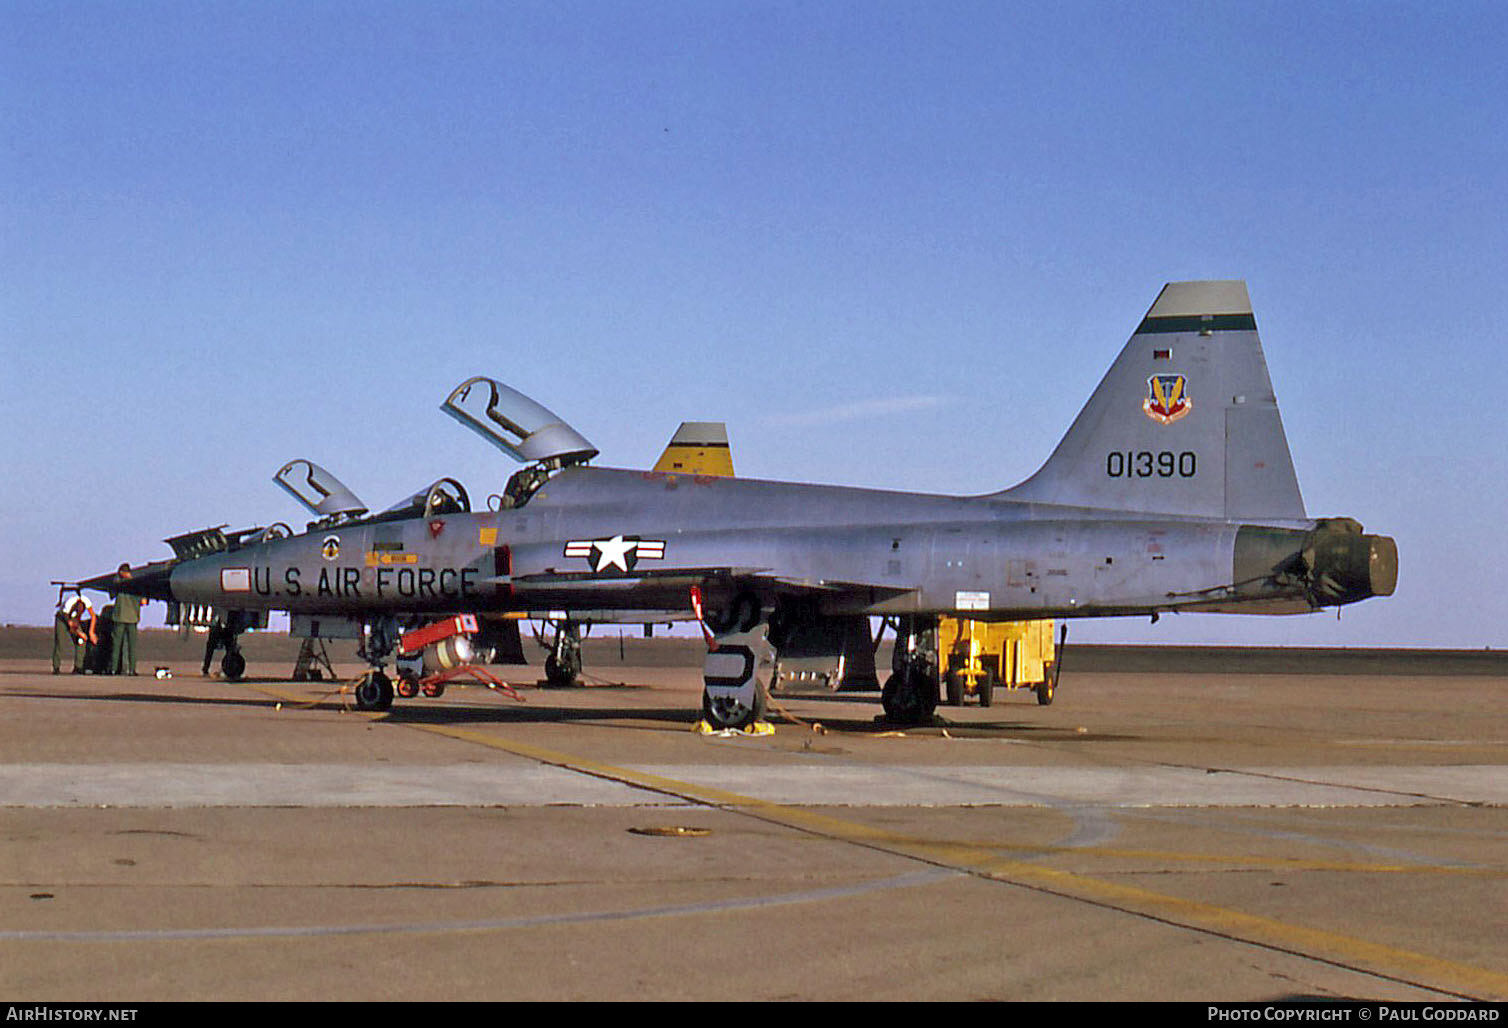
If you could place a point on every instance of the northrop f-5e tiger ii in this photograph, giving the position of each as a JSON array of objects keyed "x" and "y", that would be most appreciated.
[{"x": 1173, "y": 490}]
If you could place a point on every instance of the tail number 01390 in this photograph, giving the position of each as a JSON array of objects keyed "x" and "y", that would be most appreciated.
[{"x": 1146, "y": 464}]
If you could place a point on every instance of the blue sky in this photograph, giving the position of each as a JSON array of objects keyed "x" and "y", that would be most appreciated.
[{"x": 892, "y": 245}]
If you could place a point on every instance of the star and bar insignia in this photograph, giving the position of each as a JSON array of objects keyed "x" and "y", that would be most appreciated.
[{"x": 621, "y": 552}]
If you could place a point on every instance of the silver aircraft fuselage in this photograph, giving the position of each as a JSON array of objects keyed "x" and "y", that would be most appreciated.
[{"x": 853, "y": 550}]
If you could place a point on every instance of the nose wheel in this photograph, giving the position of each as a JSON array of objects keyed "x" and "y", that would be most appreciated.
[
  {"x": 233, "y": 665},
  {"x": 374, "y": 691}
]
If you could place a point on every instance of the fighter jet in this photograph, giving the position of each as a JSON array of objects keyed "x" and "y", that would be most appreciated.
[{"x": 1172, "y": 491}]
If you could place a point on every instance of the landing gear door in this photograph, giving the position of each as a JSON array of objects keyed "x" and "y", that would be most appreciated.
[
  {"x": 317, "y": 489},
  {"x": 515, "y": 424}
]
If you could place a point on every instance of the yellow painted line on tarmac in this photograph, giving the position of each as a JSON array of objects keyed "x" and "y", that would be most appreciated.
[
  {"x": 1243, "y": 861},
  {"x": 1432, "y": 746},
  {"x": 707, "y": 794},
  {"x": 1331, "y": 947},
  {"x": 985, "y": 860}
]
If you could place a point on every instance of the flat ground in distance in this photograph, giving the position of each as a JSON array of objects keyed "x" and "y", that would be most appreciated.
[{"x": 1178, "y": 825}]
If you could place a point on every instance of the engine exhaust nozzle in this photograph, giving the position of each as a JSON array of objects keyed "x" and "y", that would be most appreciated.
[{"x": 1344, "y": 565}]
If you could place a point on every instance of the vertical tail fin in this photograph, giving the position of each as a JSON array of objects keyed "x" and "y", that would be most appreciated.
[
  {"x": 1184, "y": 422},
  {"x": 698, "y": 448}
]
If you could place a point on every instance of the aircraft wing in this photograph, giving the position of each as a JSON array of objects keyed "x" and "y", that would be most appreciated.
[
  {"x": 782, "y": 583},
  {"x": 820, "y": 563},
  {"x": 149, "y": 580}
]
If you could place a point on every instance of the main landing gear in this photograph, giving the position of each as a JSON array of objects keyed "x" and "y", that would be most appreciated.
[
  {"x": 910, "y": 694},
  {"x": 563, "y": 665},
  {"x": 734, "y": 695}
]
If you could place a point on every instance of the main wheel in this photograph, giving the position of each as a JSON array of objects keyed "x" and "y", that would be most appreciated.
[
  {"x": 562, "y": 672},
  {"x": 987, "y": 689},
  {"x": 909, "y": 698},
  {"x": 726, "y": 712},
  {"x": 233, "y": 666},
  {"x": 374, "y": 691}
]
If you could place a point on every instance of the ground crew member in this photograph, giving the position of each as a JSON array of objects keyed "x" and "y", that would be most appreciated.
[
  {"x": 69, "y": 628},
  {"x": 123, "y": 639},
  {"x": 215, "y": 640}
]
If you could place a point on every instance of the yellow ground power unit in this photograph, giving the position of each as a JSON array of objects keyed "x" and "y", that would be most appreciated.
[{"x": 979, "y": 657}]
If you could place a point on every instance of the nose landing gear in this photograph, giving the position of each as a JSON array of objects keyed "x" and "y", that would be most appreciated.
[{"x": 373, "y": 691}]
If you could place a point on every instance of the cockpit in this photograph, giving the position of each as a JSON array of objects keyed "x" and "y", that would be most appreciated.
[
  {"x": 525, "y": 430},
  {"x": 447, "y": 496}
]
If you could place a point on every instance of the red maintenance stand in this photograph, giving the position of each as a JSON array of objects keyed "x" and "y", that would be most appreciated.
[{"x": 446, "y": 656}]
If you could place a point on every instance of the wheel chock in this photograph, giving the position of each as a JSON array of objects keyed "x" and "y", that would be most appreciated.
[{"x": 704, "y": 727}]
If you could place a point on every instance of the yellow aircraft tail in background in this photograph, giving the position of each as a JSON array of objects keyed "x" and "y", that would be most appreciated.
[{"x": 698, "y": 448}]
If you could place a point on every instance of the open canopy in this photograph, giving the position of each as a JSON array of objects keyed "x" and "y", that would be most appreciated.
[
  {"x": 317, "y": 489},
  {"x": 523, "y": 429}
]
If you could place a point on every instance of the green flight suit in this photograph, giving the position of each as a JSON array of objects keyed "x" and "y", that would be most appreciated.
[
  {"x": 62, "y": 642},
  {"x": 123, "y": 640}
]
